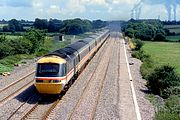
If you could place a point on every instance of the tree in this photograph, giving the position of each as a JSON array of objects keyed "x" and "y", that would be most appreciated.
[
  {"x": 13, "y": 25},
  {"x": 160, "y": 35},
  {"x": 21, "y": 46},
  {"x": 98, "y": 24},
  {"x": 87, "y": 25},
  {"x": 74, "y": 27},
  {"x": 129, "y": 32},
  {"x": 41, "y": 24},
  {"x": 55, "y": 25},
  {"x": 36, "y": 37}
]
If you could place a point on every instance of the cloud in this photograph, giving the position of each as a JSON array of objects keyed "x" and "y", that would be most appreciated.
[
  {"x": 130, "y": 2},
  {"x": 54, "y": 9},
  {"x": 75, "y": 6},
  {"x": 90, "y": 9},
  {"x": 16, "y": 3}
]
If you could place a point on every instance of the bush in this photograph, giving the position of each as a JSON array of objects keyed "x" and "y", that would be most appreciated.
[
  {"x": 141, "y": 55},
  {"x": 165, "y": 115},
  {"x": 161, "y": 79},
  {"x": 6, "y": 49},
  {"x": 21, "y": 46},
  {"x": 160, "y": 37},
  {"x": 147, "y": 66},
  {"x": 138, "y": 43},
  {"x": 173, "y": 104},
  {"x": 4, "y": 68}
]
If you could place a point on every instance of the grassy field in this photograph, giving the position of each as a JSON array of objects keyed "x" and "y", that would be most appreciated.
[
  {"x": 173, "y": 38},
  {"x": 12, "y": 37},
  {"x": 2, "y": 25},
  {"x": 173, "y": 28},
  {"x": 164, "y": 53}
]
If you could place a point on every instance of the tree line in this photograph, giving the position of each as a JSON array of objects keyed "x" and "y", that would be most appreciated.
[
  {"x": 146, "y": 30},
  {"x": 71, "y": 26}
]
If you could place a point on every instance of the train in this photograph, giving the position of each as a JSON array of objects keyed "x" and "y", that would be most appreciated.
[{"x": 56, "y": 69}]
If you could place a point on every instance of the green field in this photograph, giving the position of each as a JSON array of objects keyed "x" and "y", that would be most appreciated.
[
  {"x": 164, "y": 53},
  {"x": 173, "y": 38},
  {"x": 12, "y": 37},
  {"x": 2, "y": 25},
  {"x": 173, "y": 28}
]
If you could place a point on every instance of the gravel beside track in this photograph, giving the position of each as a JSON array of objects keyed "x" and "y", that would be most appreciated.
[
  {"x": 146, "y": 108},
  {"x": 108, "y": 102},
  {"x": 86, "y": 106},
  {"x": 39, "y": 110},
  {"x": 126, "y": 103},
  {"x": 17, "y": 74},
  {"x": 8, "y": 109},
  {"x": 15, "y": 89}
]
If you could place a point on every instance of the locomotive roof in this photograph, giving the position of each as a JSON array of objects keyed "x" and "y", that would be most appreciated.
[
  {"x": 70, "y": 50},
  {"x": 73, "y": 49},
  {"x": 87, "y": 40},
  {"x": 77, "y": 45}
]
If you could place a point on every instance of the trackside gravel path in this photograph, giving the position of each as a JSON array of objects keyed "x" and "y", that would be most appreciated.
[{"x": 103, "y": 90}]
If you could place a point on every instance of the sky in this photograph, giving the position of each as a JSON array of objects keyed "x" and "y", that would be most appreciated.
[{"x": 85, "y": 9}]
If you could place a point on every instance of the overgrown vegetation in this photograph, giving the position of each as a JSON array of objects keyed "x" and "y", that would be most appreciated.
[
  {"x": 30, "y": 43},
  {"x": 162, "y": 80}
]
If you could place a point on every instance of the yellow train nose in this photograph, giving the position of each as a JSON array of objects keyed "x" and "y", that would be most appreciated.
[{"x": 49, "y": 88}]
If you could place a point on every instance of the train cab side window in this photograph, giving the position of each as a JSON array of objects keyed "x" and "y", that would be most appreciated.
[{"x": 63, "y": 70}]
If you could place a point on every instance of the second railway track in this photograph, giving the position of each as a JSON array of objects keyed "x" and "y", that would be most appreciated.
[{"x": 16, "y": 88}]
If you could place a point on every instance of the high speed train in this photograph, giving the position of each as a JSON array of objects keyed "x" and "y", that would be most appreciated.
[{"x": 56, "y": 69}]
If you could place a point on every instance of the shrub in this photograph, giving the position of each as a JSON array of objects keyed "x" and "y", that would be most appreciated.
[
  {"x": 141, "y": 55},
  {"x": 6, "y": 49},
  {"x": 160, "y": 37},
  {"x": 165, "y": 115},
  {"x": 138, "y": 43},
  {"x": 21, "y": 46},
  {"x": 4, "y": 68},
  {"x": 147, "y": 66},
  {"x": 161, "y": 79},
  {"x": 173, "y": 103}
]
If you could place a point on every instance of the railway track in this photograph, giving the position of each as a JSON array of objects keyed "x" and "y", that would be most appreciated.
[
  {"x": 83, "y": 94},
  {"x": 86, "y": 106},
  {"x": 41, "y": 108},
  {"x": 15, "y": 88}
]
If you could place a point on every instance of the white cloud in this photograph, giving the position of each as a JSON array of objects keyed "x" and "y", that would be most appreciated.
[
  {"x": 75, "y": 6},
  {"x": 54, "y": 9},
  {"x": 91, "y": 9},
  {"x": 99, "y": 2},
  {"x": 130, "y": 2}
]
